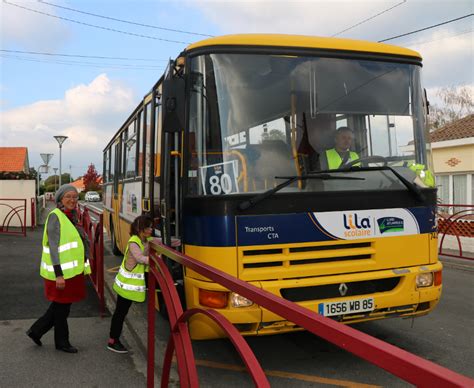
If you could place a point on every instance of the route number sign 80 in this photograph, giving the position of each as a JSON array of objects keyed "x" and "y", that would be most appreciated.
[{"x": 219, "y": 179}]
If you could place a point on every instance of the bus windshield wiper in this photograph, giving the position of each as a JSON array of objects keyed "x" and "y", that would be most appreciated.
[
  {"x": 244, "y": 205},
  {"x": 413, "y": 188}
]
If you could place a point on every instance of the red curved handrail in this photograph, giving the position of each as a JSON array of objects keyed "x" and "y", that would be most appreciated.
[
  {"x": 450, "y": 222},
  {"x": 14, "y": 211},
  {"x": 180, "y": 341},
  {"x": 251, "y": 362}
]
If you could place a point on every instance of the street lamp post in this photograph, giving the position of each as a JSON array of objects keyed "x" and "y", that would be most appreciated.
[
  {"x": 41, "y": 168},
  {"x": 45, "y": 167},
  {"x": 60, "y": 139}
]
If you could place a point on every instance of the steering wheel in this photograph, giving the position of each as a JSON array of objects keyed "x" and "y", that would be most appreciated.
[{"x": 366, "y": 159}]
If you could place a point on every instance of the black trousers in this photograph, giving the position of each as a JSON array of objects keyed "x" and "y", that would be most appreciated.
[
  {"x": 121, "y": 311},
  {"x": 55, "y": 316}
]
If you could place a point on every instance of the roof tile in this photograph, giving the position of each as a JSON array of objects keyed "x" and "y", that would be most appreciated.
[
  {"x": 459, "y": 129},
  {"x": 12, "y": 159}
]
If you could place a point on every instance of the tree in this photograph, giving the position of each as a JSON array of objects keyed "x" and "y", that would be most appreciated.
[
  {"x": 457, "y": 103},
  {"x": 91, "y": 179},
  {"x": 52, "y": 182}
]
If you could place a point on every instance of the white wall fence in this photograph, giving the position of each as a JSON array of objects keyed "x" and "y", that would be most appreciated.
[{"x": 11, "y": 190}]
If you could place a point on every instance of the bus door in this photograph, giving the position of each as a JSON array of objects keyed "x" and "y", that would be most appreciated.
[
  {"x": 115, "y": 176},
  {"x": 147, "y": 156},
  {"x": 173, "y": 102}
]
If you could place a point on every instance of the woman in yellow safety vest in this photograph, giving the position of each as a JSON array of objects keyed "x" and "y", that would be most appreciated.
[
  {"x": 63, "y": 266},
  {"x": 130, "y": 283}
]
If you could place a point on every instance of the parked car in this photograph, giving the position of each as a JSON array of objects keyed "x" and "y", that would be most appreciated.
[{"x": 92, "y": 196}]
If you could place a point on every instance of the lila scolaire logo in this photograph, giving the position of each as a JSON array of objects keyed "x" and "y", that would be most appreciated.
[{"x": 356, "y": 225}]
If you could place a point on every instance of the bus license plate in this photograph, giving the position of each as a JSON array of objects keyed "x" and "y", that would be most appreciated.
[{"x": 346, "y": 307}]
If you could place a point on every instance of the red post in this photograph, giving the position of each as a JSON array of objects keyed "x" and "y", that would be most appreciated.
[
  {"x": 33, "y": 214},
  {"x": 100, "y": 265},
  {"x": 151, "y": 328},
  {"x": 24, "y": 219}
]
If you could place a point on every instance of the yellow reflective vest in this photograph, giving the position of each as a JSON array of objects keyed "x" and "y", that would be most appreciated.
[
  {"x": 131, "y": 284},
  {"x": 423, "y": 173},
  {"x": 334, "y": 159},
  {"x": 71, "y": 250}
]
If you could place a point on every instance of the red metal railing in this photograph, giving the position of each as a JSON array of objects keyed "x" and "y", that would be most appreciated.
[
  {"x": 95, "y": 233},
  {"x": 180, "y": 342},
  {"x": 13, "y": 213},
  {"x": 33, "y": 213},
  {"x": 458, "y": 223},
  {"x": 401, "y": 363}
]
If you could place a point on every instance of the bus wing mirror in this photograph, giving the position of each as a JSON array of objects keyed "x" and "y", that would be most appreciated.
[
  {"x": 427, "y": 103},
  {"x": 173, "y": 104}
]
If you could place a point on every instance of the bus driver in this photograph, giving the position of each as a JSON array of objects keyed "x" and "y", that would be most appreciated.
[{"x": 341, "y": 154}]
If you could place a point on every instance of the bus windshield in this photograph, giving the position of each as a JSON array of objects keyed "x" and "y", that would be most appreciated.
[{"x": 254, "y": 118}]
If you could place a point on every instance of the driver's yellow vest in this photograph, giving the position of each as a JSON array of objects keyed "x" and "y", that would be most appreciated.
[
  {"x": 131, "y": 284},
  {"x": 423, "y": 173},
  {"x": 70, "y": 249},
  {"x": 335, "y": 160}
]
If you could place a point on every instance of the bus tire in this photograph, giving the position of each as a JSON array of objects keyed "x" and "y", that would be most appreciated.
[{"x": 113, "y": 241}]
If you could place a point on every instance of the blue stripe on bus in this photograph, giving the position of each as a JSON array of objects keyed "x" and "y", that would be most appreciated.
[
  {"x": 213, "y": 231},
  {"x": 222, "y": 231}
]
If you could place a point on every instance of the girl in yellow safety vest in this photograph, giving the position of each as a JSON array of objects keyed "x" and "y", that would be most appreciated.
[{"x": 130, "y": 283}]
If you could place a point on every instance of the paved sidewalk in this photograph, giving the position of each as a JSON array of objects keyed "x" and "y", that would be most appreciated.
[{"x": 24, "y": 364}]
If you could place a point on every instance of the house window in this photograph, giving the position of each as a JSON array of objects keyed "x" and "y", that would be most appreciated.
[
  {"x": 456, "y": 189},
  {"x": 442, "y": 182},
  {"x": 460, "y": 189}
]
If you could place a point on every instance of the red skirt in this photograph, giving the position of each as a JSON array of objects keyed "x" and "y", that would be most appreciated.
[{"x": 74, "y": 291}]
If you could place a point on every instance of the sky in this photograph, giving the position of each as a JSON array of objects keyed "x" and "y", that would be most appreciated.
[{"x": 52, "y": 82}]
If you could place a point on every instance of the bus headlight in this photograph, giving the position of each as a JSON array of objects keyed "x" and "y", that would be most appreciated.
[
  {"x": 424, "y": 279},
  {"x": 237, "y": 300}
]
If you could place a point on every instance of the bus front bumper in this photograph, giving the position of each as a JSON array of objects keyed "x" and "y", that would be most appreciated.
[{"x": 400, "y": 297}]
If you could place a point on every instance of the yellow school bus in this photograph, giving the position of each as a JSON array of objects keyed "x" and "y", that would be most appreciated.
[{"x": 298, "y": 164}]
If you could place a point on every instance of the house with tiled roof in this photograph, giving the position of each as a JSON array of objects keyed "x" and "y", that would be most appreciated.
[
  {"x": 14, "y": 159},
  {"x": 453, "y": 157},
  {"x": 79, "y": 183},
  {"x": 17, "y": 188}
]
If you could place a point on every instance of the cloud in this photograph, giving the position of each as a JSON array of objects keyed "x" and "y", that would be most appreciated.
[
  {"x": 448, "y": 59},
  {"x": 88, "y": 114},
  {"x": 30, "y": 30},
  {"x": 446, "y": 62},
  {"x": 295, "y": 17}
]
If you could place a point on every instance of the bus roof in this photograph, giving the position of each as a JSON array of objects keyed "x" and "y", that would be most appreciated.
[{"x": 301, "y": 41}]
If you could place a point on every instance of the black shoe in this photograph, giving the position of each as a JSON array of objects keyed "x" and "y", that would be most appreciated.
[
  {"x": 67, "y": 348},
  {"x": 117, "y": 347},
  {"x": 35, "y": 339}
]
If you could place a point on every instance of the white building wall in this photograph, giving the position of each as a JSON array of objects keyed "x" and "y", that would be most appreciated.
[
  {"x": 16, "y": 189},
  {"x": 451, "y": 243}
]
